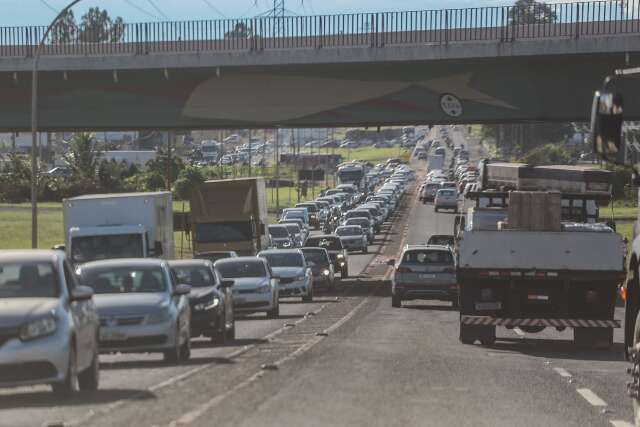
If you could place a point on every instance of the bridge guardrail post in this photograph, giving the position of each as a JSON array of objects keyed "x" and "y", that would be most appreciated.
[
  {"x": 514, "y": 22},
  {"x": 446, "y": 26},
  {"x": 383, "y": 32},
  {"x": 577, "y": 15}
]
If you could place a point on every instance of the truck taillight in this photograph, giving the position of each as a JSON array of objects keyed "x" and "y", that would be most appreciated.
[
  {"x": 623, "y": 293},
  {"x": 401, "y": 269}
]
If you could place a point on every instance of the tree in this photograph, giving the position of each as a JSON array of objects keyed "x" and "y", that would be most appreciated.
[
  {"x": 82, "y": 157},
  {"x": 65, "y": 29},
  {"x": 240, "y": 31},
  {"x": 159, "y": 165},
  {"x": 95, "y": 26},
  {"x": 188, "y": 179},
  {"x": 531, "y": 12},
  {"x": 548, "y": 154}
]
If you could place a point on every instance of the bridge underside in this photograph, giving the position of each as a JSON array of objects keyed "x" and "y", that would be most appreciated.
[{"x": 498, "y": 90}]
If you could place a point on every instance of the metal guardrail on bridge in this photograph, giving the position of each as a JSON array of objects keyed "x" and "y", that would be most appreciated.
[{"x": 498, "y": 24}]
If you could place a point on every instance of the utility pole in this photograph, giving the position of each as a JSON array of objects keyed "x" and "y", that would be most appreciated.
[
  {"x": 277, "y": 171},
  {"x": 170, "y": 135},
  {"x": 249, "y": 153}
]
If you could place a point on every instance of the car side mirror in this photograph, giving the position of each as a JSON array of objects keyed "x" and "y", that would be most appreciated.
[
  {"x": 606, "y": 124},
  {"x": 226, "y": 283},
  {"x": 182, "y": 290},
  {"x": 81, "y": 293},
  {"x": 391, "y": 262}
]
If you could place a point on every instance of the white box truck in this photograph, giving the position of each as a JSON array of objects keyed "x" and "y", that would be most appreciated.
[{"x": 107, "y": 226}]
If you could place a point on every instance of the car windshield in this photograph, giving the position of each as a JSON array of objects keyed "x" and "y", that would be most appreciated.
[
  {"x": 94, "y": 248},
  {"x": 283, "y": 259},
  {"x": 329, "y": 243},
  {"x": 349, "y": 231},
  {"x": 427, "y": 256},
  {"x": 315, "y": 257},
  {"x": 362, "y": 222},
  {"x": 293, "y": 228},
  {"x": 213, "y": 256},
  {"x": 441, "y": 240},
  {"x": 309, "y": 207},
  {"x": 116, "y": 279},
  {"x": 240, "y": 269},
  {"x": 197, "y": 276},
  {"x": 24, "y": 279},
  {"x": 278, "y": 232}
]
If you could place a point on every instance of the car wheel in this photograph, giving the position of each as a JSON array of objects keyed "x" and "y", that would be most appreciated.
[
  {"x": 219, "y": 336},
  {"x": 90, "y": 378},
  {"x": 231, "y": 333},
  {"x": 396, "y": 301},
  {"x": 185, "y": 350},
  {"x": 69, "y": 385},
  {"x": 635, "y": 370},
  {"x": 275, "y": 313},
  {"x": 309, "y": 297},
  {"x": 174, "y": 355},
  {"x": 435, "y": 209},
  {"x": 345, "y": 273},
  {"x": 365, "y": 249}
]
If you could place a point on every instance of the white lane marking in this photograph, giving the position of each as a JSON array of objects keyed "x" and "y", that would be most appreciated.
[
  {"x": 563, "y": 372},
  {"x": 620, "y": 423},
  {"x": 177, "y": 378},
  {"x": 193, "y": 415},
  {"x": 591, "y": 397},
  {"x": 518, "y": 331}
]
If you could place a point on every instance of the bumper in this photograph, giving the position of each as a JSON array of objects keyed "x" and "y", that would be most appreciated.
[
  {"x": 353, "y": 245},
  {"x": 251, "y": 303},
  {"x": 446, "y": 292},
  {"x": 138, "y": 339},
  {"x": 41, "y": 361},
  {"x": 205, "y": 322},
  {"x": 321, "y": 281},
  {"x": 446, "y": 205},
  {"x": 295, "y": 289}
]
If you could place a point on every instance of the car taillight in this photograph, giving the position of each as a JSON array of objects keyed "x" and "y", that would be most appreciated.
[{"x": 402, "y": 269}]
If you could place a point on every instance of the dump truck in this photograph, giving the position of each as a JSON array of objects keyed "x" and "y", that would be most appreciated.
[
  {"x": 527, "y": 256},
  {"x": 129, "y": 225},
  {"x": 229, "y": 215}
]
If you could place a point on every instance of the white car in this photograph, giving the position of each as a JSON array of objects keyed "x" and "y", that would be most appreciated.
[
  {"x": 255, "y": 287},
  {"x": 295, "y": 278}
]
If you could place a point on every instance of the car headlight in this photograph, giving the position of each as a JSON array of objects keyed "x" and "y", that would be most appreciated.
[
  {"x": 208, "y": 305},
  {"x": 301, "y": 277},
  {"x": 326, "y": 272},
  {"x": 264, "y": 289},
  {"x": 38, "y": 328},
  {"x": 159, "y": 316},
  {"x": 340, "y": 256}
]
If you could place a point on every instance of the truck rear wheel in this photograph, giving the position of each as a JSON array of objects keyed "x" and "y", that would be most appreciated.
[
  {"x": 483, "y": 333},
  {"x": 593, "y": 338}
]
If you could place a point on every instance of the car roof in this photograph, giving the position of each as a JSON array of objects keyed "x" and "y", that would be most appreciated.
[
  {"x": 33, "y": 255},
  {"x": 240, "y": 259},
  {"x": 427, "y": 247},
  {"x": 280, "y": 251},
  {"x": 323, "y": 236},
  {"x": 189, "y": 262},
  {"x": 130, "y": 262}
]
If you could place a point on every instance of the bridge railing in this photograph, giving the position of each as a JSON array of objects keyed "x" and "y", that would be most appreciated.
[{"x": 497, "y": 24}]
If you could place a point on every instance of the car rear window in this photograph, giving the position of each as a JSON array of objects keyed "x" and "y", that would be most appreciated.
[
  {"x": 446, "y": 193},
  {"x": 329, "y": 243},
  {"x": 426, "y": 256}
]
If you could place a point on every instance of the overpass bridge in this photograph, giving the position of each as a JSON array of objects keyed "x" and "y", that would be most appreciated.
[{"x": 476, "y": 65}]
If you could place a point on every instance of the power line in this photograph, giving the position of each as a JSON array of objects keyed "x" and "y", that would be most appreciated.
[
  {"x": 153, "y": 5},
  {"x": 140, "y": 9},
  {"x": 48, "y": 5},
  {"x": 215, "y": 9}
]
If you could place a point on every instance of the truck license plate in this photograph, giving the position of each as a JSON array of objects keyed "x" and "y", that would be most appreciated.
[
  {"x": 488, "y": 305},
  {"x": 112, "y": 336},
  {"x": 427, "y": 276}
]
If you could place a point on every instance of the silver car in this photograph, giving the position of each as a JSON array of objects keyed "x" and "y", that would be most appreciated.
[
  {"x": 424, "y": 272},
  {"x": 446, "y": 198},
  {"x": 353, "y": 238},
  {"x": 255, "y": 287},
  {"x": 295, "y": 278},
  {"x": 142, "y": 309},
  {"x": 48, "y": 324}
]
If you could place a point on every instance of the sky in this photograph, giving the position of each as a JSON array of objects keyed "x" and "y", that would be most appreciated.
[{"x": 41, "y": 12}]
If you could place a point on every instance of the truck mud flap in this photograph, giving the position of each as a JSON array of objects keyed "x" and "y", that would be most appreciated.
[{"x": 569, "y": 323}]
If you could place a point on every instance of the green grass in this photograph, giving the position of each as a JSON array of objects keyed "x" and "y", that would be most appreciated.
[
  {"x": 15, "y": 229},
  {"x": 626, "y": 231}
]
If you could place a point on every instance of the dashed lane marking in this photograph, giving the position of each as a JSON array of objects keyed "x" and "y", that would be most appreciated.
[
  {"x": 591, "y": 397},
  {"x": 620, "y": 423},
  {"x": 563, "y": 372}
]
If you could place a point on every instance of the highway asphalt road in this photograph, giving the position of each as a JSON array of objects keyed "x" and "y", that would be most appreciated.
[{"x": 351, "y": 359}]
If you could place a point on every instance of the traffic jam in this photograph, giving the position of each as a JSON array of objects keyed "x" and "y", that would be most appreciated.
[{"x": 118, "y": 289}]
